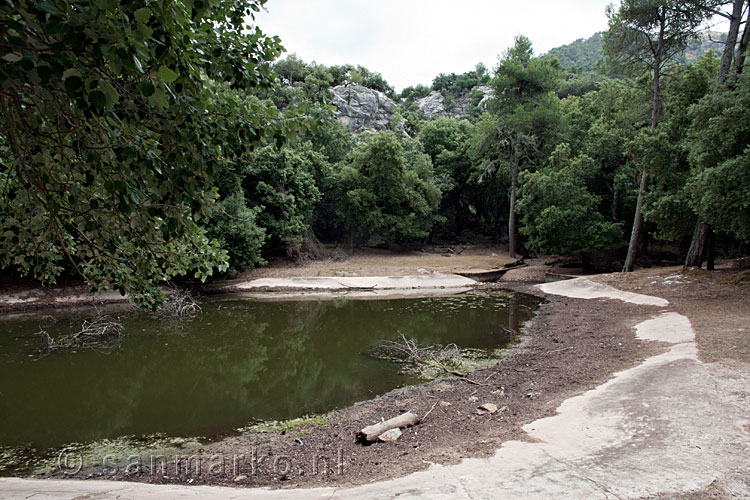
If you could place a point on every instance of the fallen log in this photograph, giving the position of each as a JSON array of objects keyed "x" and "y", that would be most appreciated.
[
  {"x": 514, "y": 264},
  {"x": 371, "y": 433}
]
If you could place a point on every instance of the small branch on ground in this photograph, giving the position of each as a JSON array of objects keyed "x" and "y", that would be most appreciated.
[{"x": 430, "y": 411}]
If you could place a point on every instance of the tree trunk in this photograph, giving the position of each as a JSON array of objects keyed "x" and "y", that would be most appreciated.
[
  {"x": 711, "y": 250},
  {"x": 734, "y": 28},
  {"x": 656, "y": 105},
  {"x": 655, "y": 118},
  {"x": 459, "y": 216},
  {"x": 637, "y": 223},
  {"x": 697, "y": 250},
  {"x": 513, "y": 196},
  {"x": 739, "y": 60},
  {"x": 615, "y": 203}
]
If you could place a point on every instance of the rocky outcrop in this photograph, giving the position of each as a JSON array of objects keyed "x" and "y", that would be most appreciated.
[
  {"x": 434, "y": 104},
  {"x": 488, "y": 94},
  {"x": 360, "y": 108}
]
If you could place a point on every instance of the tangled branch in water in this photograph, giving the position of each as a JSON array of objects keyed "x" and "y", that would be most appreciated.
[
  {"x": 447, "y": 358},
  {"x": 180, "y": 303},
  {"x": 102, "y": 332}
]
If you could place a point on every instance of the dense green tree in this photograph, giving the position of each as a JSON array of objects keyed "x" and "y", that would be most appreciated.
[
  {"x": 528, "y": 113},
  {"x": 647, "y": 35},
  {"x": 560, "y": 215},
  {"x": 601, "y": 124},
  {"x": 719, "y": 148},
  {"x": 447, "y": 141},
  {"x": 280, "y": 184},
  {"x": 583, "y": 55},
  {"x": 374, "y": 80},
  {"x": 413, "y": 93},
  {"x": 457, "y": 85},
  {"x": 291, "y": 69},
  {"x": 490, "y": 177},
  {"x": 667, "y": 203},
  {"x": 388, "y": 190},
  {"x": 117, "y": 116},
  {"x": 579, "y": 85},
  {"x": 235, "y": 226},
  {"x": 703, "y": 232}
]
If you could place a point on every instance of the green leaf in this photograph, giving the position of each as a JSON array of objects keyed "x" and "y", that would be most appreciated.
[
  {"x": 167, "y": 75},
  {"x": 110, "y": 5},
  {"x": 48, "y": 7},
  {"x": 73, "y": 85},
  {"x": 13, "y": 57},
  {"x": 143, "y": 15},
  {"x": 147, "y": 88},
  {"x": 137, "y": 63},
  {"x": 98, "y": 99}
]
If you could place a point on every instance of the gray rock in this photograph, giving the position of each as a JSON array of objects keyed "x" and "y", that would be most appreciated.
[
  {"x": 487, "y": 408},
  {"x": 433, "y": 105},
  {"x": 390, "y": 436},
  {"x": 488, "y": 94},
  {"x": 360, "y": 108}
]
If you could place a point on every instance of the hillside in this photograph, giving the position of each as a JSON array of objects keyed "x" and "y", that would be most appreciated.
[{"x": 582, "y": 55}]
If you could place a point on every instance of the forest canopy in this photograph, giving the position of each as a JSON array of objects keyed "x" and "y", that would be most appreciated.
[{"x": 147, "y": 140}]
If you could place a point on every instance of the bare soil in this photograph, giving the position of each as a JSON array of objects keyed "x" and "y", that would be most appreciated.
[
  {"x": 374, "y": 262},
  {"x": 716, "y": 302}
]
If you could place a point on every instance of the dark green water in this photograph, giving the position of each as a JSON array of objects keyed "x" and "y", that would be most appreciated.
[{"x": 238, "y": 361}]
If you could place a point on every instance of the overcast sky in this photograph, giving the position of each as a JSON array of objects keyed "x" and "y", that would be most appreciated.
[{"x": 411, "y": 41}]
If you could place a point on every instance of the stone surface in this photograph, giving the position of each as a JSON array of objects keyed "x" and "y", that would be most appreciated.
[
  {"x": 433, "y": 105},
  {"x": 488, "y": 408},
  {"x": 435, "y": 280},
  {"x": 390, "y": 436},
  {"x": 584, "y": 288},
  {"x": 669, "y": 327},
  {"x": 360, "y": 108}
]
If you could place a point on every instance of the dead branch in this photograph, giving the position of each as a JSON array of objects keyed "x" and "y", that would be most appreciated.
[
  {"x": 430, "y": 411},
  {"x": 371, "y": 433},
  {"x": 100, "y": 332},
  {"x": 180, "y": 303},
  {"x": 408, "y": 351}
]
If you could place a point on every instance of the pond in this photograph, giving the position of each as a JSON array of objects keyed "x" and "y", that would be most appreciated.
[{"x": 237, "y": 362}]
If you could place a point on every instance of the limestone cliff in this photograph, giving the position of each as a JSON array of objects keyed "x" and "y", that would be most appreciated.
[
  {"x": 434, "y": 104},
  {"x": 360, "y": 108}
]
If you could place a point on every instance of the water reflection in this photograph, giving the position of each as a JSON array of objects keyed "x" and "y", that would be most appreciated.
[{"x": 237, "y": 362}]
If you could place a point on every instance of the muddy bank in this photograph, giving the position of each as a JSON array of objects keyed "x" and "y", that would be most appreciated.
[
  {"x": 571, "y": 346},
  {"x": 432, "y": 268}
]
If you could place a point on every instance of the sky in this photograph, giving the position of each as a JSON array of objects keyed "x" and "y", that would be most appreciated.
[{"x": 411, "y": 41}]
